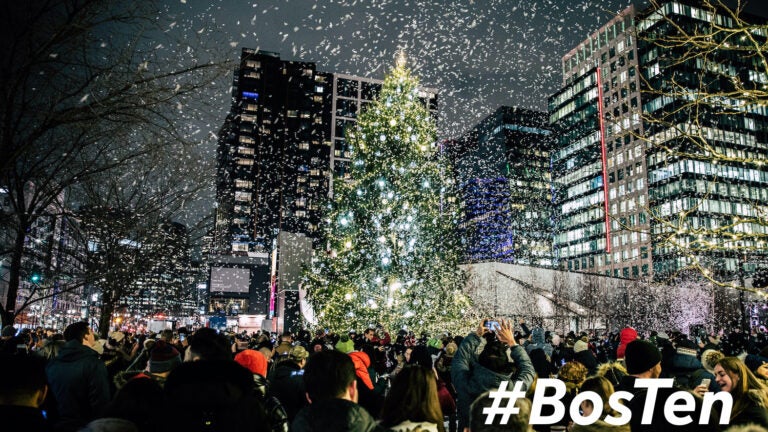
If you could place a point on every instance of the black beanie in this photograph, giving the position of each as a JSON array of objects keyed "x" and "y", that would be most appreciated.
[{"x": 641, "y": 356}]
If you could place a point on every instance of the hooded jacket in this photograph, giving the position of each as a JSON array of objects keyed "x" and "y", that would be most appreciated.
[
  {"x": 471, "y": 379},
  {"x": 287, "y": 385},
  {"x": 362, "y": 363},
  {"x": 626, "y": 336},
  {"x": 80, "y": 383},
  {"x": 538, "y": 340}
]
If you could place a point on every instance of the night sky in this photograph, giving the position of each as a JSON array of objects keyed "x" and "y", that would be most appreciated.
[{"x": 479, "y": 54}]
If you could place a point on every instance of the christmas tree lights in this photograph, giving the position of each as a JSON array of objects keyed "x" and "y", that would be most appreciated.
[{"x": 392, "y": 255}]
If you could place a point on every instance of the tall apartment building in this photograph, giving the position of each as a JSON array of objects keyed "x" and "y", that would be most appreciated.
[
  {"x": 599, "y": 161},
  {"x": 280, "y": 144},
  {"x": 614, "y": 182},
  {"x": 502, "y": 168},
  {"x": 273, "y": 153}
]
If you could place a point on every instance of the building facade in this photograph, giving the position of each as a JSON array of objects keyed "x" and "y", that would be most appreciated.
[
  {"x": 502, "y": 170},
  {"x": 656, "y": 157}
]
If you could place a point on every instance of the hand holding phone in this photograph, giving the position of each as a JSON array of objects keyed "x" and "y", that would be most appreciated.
[{"x": 492, "y": 325}]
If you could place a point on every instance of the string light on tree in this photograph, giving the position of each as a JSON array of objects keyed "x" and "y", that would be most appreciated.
[{"x": 400, "y": 232}]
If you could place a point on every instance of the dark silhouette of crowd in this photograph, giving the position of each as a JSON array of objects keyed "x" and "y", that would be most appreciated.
[{"x": 208, "y": 380}]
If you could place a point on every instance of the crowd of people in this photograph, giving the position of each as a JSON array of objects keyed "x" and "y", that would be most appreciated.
[{"x": 211, "y": 381}]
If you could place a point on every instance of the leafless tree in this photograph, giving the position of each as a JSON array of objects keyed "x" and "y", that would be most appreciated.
[
  {"x": 701, "y": 120},
  {"x": 86, "y": 86}
]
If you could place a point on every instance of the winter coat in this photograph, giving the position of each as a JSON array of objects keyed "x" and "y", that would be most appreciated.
[
  {"x": 472, "y": 379},
  {"x": 754, "y": 413},
  {"x": 538, "y": 341},
  {"x": 588, "y": 360},
  {"x": 626, "y": 336},
  {"x": 275, "y": 410},
  {"x": 287, "y": 385},
  {"x": 79, "y": 382},
  {"x": 338, "y": 415}
]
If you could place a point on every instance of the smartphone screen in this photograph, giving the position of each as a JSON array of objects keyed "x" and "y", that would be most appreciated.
[{"x": 492, "y": 325}]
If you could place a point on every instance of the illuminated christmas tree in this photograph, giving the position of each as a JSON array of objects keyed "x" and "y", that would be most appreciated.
[{"x": 392, "y": 254}]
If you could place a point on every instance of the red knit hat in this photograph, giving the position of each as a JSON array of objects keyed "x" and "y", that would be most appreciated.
[
  {"x": 163, "y": 357},
  {"x": 252, "y": 360}
]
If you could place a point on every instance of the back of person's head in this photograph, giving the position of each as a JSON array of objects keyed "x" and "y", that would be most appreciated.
[
  {"x": 138, "y": 401},
  {"x": 420, "y": 356},
  {"x": 23, "y": 380},
  {"x": 516, "y": 423},
  {"x": 494, "y": 357},
  {"x": 613, "y": 371},
  {"x": 573, "y": 372},
  {"x": 166, "y": 335},
  {"x": 413, "y": 397},
  {"x": 208, "y": 345},
  {"x": 603, "y": 387},
  {"x": 76, "y": 331},
  {"x": 213, "y": 396},
  {"x": 328, "y": 374}
]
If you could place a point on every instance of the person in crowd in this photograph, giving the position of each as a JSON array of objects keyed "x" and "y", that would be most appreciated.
[
  {"x": 603, "y": 387},
  {"x": 141, "y": 359},
  {"x": 573, "y": 374},
  {"x": 23, "y": 389},
  {"x": 345, "y": 344},
  {"x": 542, "y": 364},
  {"x": 643, "y": 360},
  {"x": 758, "y": 365},
  {"x": 709, "y": 359},
  {"x": 626, "y": 335},
  {"x": 163, "y": 359},
  {"x": 287, "y": 382},
  {"x": 584, "y": 355},
  {"x": 329, "y": 379},
  {"x": 539, "y": 341},
  {"x": 284, "y": 347},
  {"x": 412, "y": 402},
  {"x": 474, "y": 374},
  {"x": 51, "y": 347},
  {"x": 213, "y": 395},
  {"x": 78, "y": 379},
  {"x": 133, "y": 408},
  {"x": 519, "y": 422},
  {"x": 684, "y": 363},
  {"x": 613, "y": 372},
  {"x": 206, "y": 344},
  {"x": 750, "y": 396},
  {"x": 256, "y": 363},
  {"x": 367, "y": 397}
]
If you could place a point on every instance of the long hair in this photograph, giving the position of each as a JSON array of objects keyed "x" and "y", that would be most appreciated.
[
  {"x": 603, "y": 387},
  {"x": 744, "y": 381},
  {"x": 413, "y": 397}
]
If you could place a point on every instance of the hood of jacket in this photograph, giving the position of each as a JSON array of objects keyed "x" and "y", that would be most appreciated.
[
  {"x": 362, "y": 363},
  {"x": 74, "y": 350}
]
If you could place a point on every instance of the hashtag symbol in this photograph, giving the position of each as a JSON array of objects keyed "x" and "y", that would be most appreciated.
[{"x": 498, "y": 397}]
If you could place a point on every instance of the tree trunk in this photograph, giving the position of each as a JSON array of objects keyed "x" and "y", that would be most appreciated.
[
  {"x": 14, "y": 278},
  {"x": 105, "y": 319}
]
